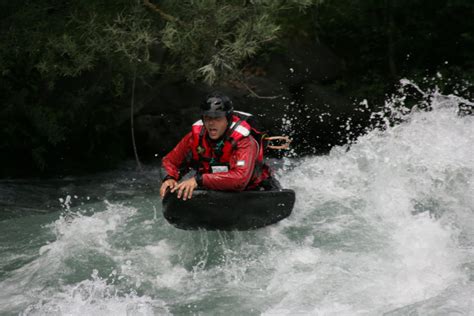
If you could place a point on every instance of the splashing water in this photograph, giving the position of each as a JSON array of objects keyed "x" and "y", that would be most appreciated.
[{"x": 385, "y": 227}]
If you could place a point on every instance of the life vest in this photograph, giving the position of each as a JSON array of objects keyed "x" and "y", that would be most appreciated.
[{"x": 205, "y": 157}]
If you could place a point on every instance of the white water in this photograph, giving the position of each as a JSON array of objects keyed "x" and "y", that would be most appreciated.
[{"x": 386, "y": 227}]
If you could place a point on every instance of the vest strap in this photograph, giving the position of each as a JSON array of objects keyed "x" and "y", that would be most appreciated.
[
  {"x": 200, "y": 147},
  {"x": 229, "y": 137}
]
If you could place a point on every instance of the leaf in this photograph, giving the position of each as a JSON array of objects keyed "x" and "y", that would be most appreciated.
[{"x": 208, "y": 73}]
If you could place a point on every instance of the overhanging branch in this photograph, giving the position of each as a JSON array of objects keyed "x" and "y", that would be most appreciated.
[
  {"x": 162, "y": 13},
  {"x": 255, "y": 95}
]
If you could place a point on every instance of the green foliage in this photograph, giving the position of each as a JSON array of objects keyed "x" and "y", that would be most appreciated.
[
  {"x": 65, "y": 74},
  {"x": 66, "y": 67},
  {"x": 213, "y": 39}
]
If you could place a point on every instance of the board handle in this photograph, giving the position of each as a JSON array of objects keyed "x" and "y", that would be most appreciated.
[{"x": 285, "y": 142}]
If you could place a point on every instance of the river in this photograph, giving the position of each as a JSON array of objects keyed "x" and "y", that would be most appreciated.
[{"x": 383, "y": 227}]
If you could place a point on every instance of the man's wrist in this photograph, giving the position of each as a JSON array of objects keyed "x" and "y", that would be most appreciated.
[
  {"x": 168, "y": 177},
  {"x": 198, "y": 178}
]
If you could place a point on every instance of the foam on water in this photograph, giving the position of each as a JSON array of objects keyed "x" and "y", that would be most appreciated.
[
  {"x": 385, "y": 227},
  {"x": 405, "y": 195},
  {"x": 94, "y": 297},
  {"x": 81, "y": 243}
]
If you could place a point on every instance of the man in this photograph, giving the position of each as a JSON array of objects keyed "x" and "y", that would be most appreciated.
[{"x": 221, "y": 149}]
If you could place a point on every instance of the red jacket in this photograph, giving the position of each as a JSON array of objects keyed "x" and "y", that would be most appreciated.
[{"x": 241, "y": 165}]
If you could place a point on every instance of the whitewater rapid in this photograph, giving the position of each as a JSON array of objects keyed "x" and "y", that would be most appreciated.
[{"x": 385, "y": 226}]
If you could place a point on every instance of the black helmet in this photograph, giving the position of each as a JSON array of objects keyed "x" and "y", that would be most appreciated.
[{"x": 217, "y": 105}]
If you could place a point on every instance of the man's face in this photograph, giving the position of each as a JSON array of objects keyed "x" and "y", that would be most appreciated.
[{"x": 215, "y": 126}]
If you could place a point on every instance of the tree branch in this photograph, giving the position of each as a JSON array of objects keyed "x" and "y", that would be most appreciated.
[
  {"x": 163, "y": 14},
  {"x": 132, "y": 125},
  {"x": 255, "y": 95}
]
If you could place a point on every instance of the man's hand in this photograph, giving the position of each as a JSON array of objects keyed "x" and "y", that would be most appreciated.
[
  {"x": 185, "y": 188},
  {"x": 170, "y": 183}
]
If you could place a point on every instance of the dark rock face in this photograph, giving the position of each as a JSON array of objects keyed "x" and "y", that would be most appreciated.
[
  {"x": 166, "y": 117},
  {"x": 289, "y": 94},
  {"x": 304, "y": 62},
  {"x": 321, "y": 114}
]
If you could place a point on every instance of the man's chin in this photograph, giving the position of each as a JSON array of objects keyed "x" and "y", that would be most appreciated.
[{"x": 213, "y": 135}]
